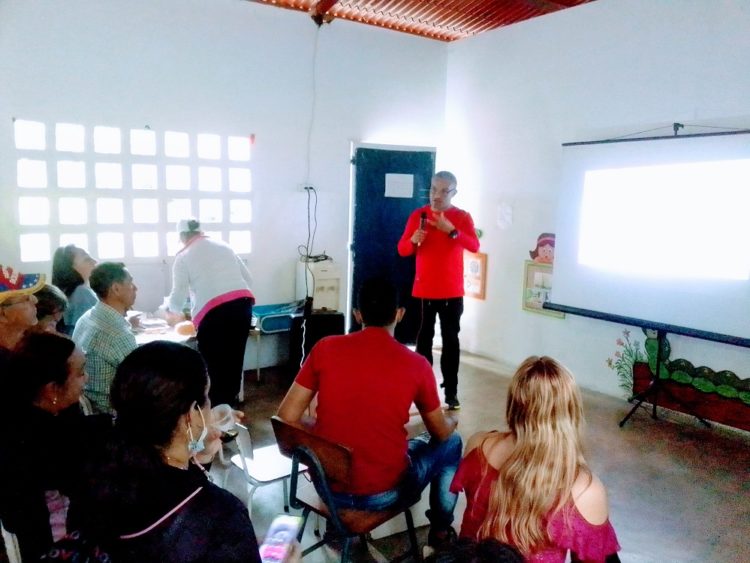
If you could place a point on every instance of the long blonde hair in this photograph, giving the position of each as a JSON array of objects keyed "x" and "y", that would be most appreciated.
[{"x": 545, "y": 417}]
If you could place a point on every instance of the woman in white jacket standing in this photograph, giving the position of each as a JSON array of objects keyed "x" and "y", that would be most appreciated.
[{"x": 218, "y": 284}]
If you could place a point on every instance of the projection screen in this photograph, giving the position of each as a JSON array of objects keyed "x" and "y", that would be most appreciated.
[{"x": 657, "y": 229}]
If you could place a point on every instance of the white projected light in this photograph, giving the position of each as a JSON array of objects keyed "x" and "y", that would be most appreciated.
[
  {"x": 681, "y": 221},
  {"x": 657, "y": 229}
]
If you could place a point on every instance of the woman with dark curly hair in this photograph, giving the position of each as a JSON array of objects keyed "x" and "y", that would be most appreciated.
[
  {"x": 71, "y": 269},
  {"x": 148, "y": 497}
]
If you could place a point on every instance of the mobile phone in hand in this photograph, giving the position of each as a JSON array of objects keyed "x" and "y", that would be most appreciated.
[{"x": 280, "y": 537}]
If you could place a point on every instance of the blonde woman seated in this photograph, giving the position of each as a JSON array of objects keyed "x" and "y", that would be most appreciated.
[{"x": 531, "y": 487}]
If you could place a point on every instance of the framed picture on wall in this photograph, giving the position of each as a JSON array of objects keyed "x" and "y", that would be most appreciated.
[
  {"x": 475, "y": 274},
  {"x": 537, "y": 285}
]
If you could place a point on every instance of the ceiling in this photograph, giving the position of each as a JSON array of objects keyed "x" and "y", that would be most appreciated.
[{"x": 445, "y": 20}]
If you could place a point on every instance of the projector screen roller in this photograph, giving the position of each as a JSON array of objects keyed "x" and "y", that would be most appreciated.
[{"x": 657, "y": 229}]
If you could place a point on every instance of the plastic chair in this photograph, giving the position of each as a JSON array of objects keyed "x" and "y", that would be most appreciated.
[
  {"x": 261, "y": 467},
  {"x": 11, "y": 546},
  {"x": 328, "y": 462}
]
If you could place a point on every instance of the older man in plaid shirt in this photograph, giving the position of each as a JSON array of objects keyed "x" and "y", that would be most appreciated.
[{"x": 103, "y": 333}]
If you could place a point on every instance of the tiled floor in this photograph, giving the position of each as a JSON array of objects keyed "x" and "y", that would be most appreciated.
[{"x": 677, "y": 491}]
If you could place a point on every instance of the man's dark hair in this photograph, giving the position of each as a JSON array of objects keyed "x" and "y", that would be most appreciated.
[
  {"x": 377, "y": 302},
  {"x": 106, "y": 274},
  {"x": 445, "y": 175},
  {"x": 484, "y": 551}
]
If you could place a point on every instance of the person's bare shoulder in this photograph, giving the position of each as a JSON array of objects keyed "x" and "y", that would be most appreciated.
[
  {"x": 495, "y": 445},
  {"x": 475, "y": 440},
  {"x": 590, "y": 498}
]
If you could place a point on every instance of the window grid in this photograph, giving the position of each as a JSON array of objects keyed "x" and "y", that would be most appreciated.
[{"x": 118, "y": 192}]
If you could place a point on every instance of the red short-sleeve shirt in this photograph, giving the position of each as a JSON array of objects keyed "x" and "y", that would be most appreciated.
[{"x": 366, "y": 383}]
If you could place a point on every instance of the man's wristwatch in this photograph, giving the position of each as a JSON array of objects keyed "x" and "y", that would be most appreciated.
[{"x": 453, "y": 234}]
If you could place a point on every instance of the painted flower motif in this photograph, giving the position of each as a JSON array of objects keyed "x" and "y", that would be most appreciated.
[{"x": 628, "y": 352}]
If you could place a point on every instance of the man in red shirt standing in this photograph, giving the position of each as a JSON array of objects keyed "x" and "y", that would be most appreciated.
[
  {"x": 437, "y": 234},
  {"x": 365, "y": 384}
]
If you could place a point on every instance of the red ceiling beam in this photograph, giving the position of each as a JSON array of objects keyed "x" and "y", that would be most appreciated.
[
  {"x": 319, "y": 12},
  {"x": 447, "y": 20}
]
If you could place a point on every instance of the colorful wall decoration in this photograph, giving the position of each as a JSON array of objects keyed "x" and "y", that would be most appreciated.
[
  {"x": 475, "y": 274},
  {"x": 537, "y": 276},
  {"x": 718, "y": 395},
  {"x": 544, "y": 253}
]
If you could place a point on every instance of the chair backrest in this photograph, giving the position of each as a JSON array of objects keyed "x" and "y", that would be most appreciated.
[
  {"x": 244, "y": 445},
  {"x": 335, "y": 459},
  {"x": 11, "y": 546},
  {"x": 244, "y": 442}
]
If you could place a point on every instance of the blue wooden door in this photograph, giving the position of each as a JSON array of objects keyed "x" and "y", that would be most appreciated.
[{"x": 380, "y": 214}]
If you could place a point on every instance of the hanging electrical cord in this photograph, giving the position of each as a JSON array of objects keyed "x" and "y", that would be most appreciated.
[
  {"x": 313, "y": 103},
  {"x": 306, "y": 250}
]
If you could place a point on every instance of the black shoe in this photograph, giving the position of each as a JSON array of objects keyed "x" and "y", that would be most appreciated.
[
  {"x": 441, "y": 539},
  {"x": 453, "y": 404}
]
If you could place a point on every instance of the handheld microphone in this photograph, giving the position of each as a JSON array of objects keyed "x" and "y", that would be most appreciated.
[{"x": 422, "y": 220}]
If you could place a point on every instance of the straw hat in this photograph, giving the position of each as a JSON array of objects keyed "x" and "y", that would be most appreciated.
[{"x": 13, "y": 283}]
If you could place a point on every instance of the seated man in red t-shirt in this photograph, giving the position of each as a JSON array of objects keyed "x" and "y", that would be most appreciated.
[{"x": 365, "y": 384}]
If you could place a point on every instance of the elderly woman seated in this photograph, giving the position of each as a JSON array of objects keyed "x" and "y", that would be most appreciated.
[
  {"x": 45, "y": 439},
  {"x": 50, "y": 307},
  {"x": 148, "y": 497}
]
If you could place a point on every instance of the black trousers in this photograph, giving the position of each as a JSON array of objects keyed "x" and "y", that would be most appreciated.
[
  {"x": 449, "y": 311},
  {"x": 222, "y": 336}
]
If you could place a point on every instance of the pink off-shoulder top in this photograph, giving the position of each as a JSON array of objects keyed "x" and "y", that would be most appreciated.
[{"x": 568, "y": 529}]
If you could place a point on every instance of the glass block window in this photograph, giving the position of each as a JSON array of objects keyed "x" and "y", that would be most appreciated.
[
  {"x": 70, "y": 137},
  {"x": 30, "y": 135},
  {"x": 71, "y": 174},
  {"x": 119, "y": 191}
]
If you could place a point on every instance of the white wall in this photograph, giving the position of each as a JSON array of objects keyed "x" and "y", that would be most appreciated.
[
  {"x": 510, "y": 98},
  {"x": 230, "y": 67},
  {"x": 604, "y": 69}
]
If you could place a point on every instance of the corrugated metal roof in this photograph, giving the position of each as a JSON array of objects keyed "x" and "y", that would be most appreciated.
[{"x": 446, "y": 20}]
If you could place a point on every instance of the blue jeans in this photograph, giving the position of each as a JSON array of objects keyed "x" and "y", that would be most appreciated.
[{"x": 431, "y": 462}]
